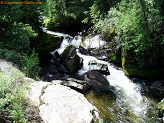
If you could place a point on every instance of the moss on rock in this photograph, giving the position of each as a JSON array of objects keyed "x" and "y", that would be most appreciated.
[
  {"x": 160, "y": 105},
  {"x": 132, "y": 68},
  {"x": 115, "y": 57}
]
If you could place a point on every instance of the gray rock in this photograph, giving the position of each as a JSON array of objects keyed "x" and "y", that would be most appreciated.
[
  {"x": 98, "y": 81},
  {"x": 159, "y": 83},
  {"x": 5, "y": 66},
  {"x": 78, "y": 85},
  {"x": 61, "y": 104},
  {"x": 101, "y": 68},
  {"x": 65, "y": 106},
  {"x": 84, "y": 51},
  {"x": 156, "y": 89}
]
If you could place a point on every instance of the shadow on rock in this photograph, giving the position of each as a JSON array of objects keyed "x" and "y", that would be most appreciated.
[{"x": 98, "y": 82}]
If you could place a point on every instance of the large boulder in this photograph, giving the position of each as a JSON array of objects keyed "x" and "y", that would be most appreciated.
[
  {"x": 98, "y": 81},
  {"x": 71, "y": 60},
  {"x": 61, "y": 104}
]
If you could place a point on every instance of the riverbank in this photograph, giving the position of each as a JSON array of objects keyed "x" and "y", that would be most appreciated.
[{"x": 45, "y": 102}]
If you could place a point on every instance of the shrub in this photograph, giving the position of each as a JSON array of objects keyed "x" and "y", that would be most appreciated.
[
  {"x": 30, "y": 64},
  {"x": 11, "y": 97}
]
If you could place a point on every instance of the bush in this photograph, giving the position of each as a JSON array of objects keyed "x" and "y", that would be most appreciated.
[
  {"x": 11, "y": 97},
  {"x": 30, "y": 65},
  {"x": 16, "y": 36},
  {"x": 10, "y": 55}
]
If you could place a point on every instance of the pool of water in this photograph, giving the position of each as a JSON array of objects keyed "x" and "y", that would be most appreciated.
[{"x": 115, "y": 110}]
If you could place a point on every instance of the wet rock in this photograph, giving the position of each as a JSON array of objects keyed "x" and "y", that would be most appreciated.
[
  {"x": 84, "y": 51},
  {"x": 51, "y": 77},
  {"x": 101, "y": 53},
  {"x": 60, "y": 104},
  {"x": 52, "y": 72},
  {"x": 60, "y": 68},
  {"x": 101, "y": 68},
  {"x": 56, "y": 55},
  {"x": 159, "y": 83},
  {"x": 56, "y": 62},
  {"x": 155, "y": 89},
  {"x": 98, "y": 81},
  {"x": 71, "y": 60},
  {"x": 78, "y": 85}
]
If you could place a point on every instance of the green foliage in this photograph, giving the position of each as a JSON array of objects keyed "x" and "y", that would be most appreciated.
[
  {"x": 15, "y": 36},
  {"x": 10, "y": 55},
  {"x": 115, "y": 56},
  {"x": 64, "y": 13},
  {"x": 138, "y": 26},
  {"x": 30, "y": 65},
  {"x": 15, "y": 46},
  {"x": 9, "y": 13},
  {"x": 54, "y": 12},
  {"x": 98, "y": 16},
  {"x": 12, "y": 96}
]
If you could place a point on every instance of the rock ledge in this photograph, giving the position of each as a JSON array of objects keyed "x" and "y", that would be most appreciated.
[{"x": 60, "y": 104}]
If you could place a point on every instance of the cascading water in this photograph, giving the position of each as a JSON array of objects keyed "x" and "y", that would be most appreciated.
[
  {"x": 128, "y": 93},
  {"x": 130, "y": 106}
]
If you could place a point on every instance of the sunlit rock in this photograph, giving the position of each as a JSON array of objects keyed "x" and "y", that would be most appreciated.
[
  {"x": 160, "y": 107},
  {"x": 61, "y": 104}
]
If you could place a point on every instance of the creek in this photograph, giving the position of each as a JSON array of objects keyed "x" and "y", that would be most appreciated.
[{"x": 129, "y": 106}]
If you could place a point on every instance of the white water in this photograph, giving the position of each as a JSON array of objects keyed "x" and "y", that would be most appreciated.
[
  {"x": 128, "y": 92},
  {"x": 94, "y": 42}
]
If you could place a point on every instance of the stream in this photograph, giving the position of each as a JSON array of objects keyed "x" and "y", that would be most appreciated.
[{"x": 129, "y": 106}]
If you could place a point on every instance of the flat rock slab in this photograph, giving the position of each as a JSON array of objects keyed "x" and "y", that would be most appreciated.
[{"x": 61, "y": 104}]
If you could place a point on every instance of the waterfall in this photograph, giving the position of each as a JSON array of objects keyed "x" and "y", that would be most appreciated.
[{"x": 128, "y": 93}]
